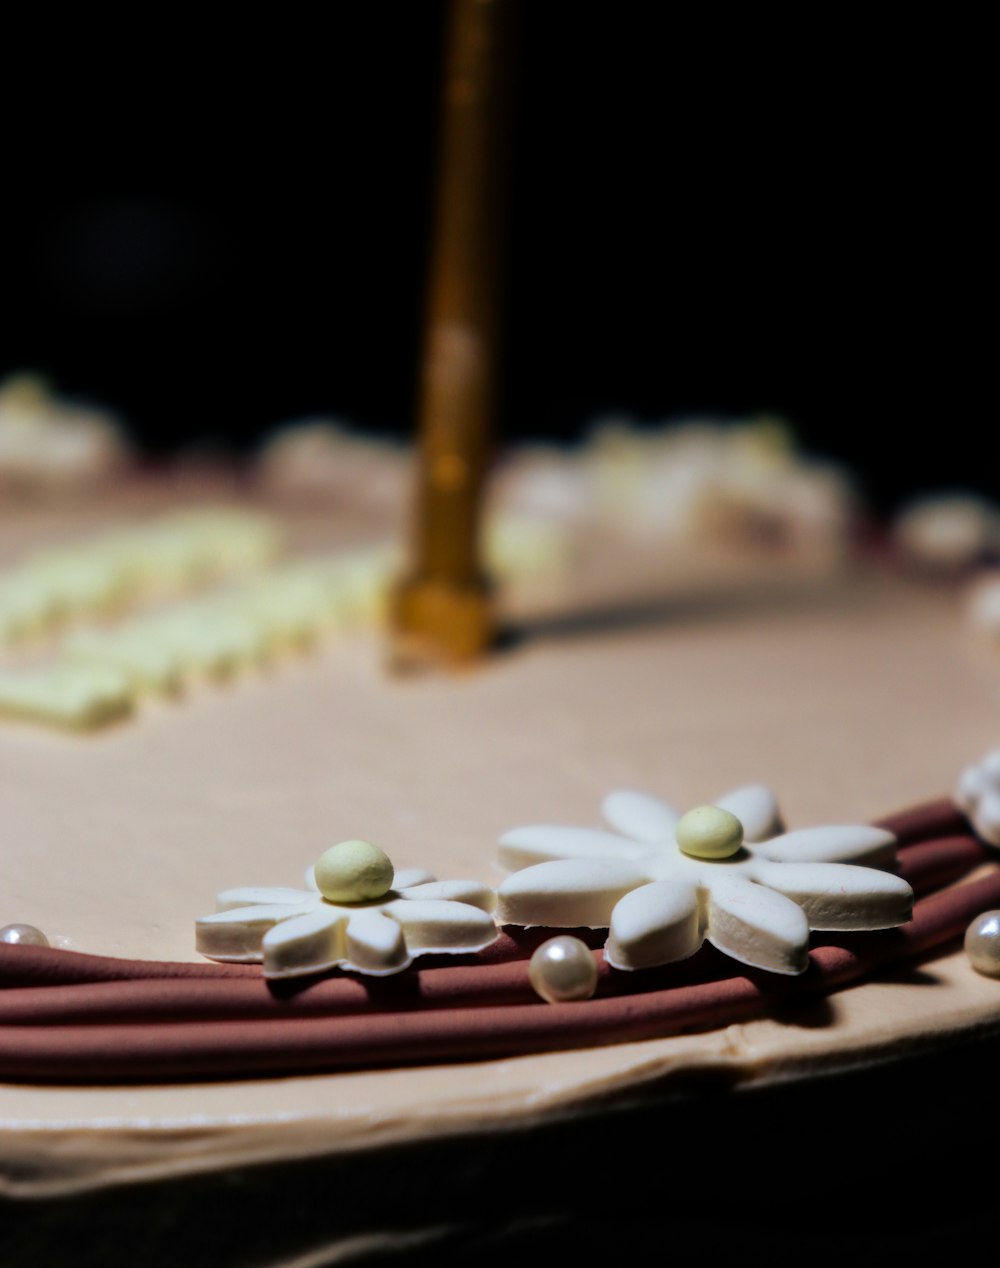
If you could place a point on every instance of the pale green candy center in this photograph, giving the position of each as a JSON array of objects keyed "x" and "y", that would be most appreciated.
[
  {"x": 709, "y": 832},
  {"x": 354, "y": 872}
]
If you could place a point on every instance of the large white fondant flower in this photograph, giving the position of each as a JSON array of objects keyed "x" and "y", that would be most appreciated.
[
  {"x": 297, "y": 931},
  {"x": 659, "y": 904}
]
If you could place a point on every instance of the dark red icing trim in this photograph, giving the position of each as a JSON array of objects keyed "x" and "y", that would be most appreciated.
[
  {"x": 929, "y": 819},
  {"x": 178, "y": 1051},
  {"x": 463, "y": 1012}
]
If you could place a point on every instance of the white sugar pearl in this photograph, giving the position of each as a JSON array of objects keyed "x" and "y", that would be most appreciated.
[
  {"x": 354, "y": 872},
  {"x": 23, "y": 935},
  {"x": 563, "y": 969},
  {"x": 982, "y": 943},
  {"x": 709, "y": 832}
]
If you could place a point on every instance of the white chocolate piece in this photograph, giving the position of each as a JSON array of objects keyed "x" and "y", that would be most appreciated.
[
  {"x": 27, "y": 607},
  {"x": 982, "y": 943},
  {"x": 978, "y": 796},
  {"x": 205, "y": 641},
  {"x": 103, "y": 575},
  {"x": 149, "y": 665},
  {"x": 563, "y": 970},
  {"x": 299, "y": 932},
  {"x": 77, "y": 697},
  {"x": 709, "y": 832},
  {"x": 353, "y": 872},
  {"x": 659, "y": 903}
]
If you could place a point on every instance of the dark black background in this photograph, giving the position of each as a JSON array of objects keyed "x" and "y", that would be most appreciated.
[{"x": 216, "y": 224}]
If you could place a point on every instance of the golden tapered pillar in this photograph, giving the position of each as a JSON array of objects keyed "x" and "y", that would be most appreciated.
[{"x": 442, "y": 612}]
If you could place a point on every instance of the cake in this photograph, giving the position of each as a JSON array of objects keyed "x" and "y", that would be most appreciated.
[{"x": 700, "y": 1102}]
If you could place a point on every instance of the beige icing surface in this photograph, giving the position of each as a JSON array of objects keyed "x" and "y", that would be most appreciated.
[{"x": 859, "y": 699}]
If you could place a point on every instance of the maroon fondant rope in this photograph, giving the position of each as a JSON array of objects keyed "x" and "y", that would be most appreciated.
[
  {"x": 88, "y": 1019},
  {"x": 487, "y": 982},
  {"x": 178, "y": 1051}
]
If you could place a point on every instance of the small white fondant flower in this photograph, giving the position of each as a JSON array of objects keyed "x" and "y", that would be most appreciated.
[
  {"x": 753, "y": 894},
  {"x": 978, "y": 796},
  {"x": 300, "y": 931}
]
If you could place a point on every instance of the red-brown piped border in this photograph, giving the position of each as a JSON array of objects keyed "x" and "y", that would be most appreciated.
[{"x": 104, "y": 1020}]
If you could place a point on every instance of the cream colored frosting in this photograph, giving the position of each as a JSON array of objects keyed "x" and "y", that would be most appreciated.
[{"x": 855, "y": 696}]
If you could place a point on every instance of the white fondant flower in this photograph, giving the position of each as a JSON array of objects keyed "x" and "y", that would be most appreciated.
[
  {"x": 298, "y": 931},
  {"x": 978, "y": 796},
  {"x": 659, "y": 903}
]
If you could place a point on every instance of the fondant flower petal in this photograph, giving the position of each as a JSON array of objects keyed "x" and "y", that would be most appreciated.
[
  {"x": 567, "y": 893},
  {"x": 474, "y": 893},
  {"x": 236, "y": 934},
  {"x": 307, "y": 943},
  {"x": 841, "y": 895},
  {"x": 443, "y": 924},
  {"x": 375, "y": 943},
  {"x": 833, "y": 843},
  {"x": 757, "y": 926},
  {"x": 655, "y": 924},
  {"x": 640, "y": 816},
  {"x": 524, "y": 847},
  {"x": 756, "y": 807},
  {"x": 406, "y": 877},
  {"x": 258, "y": 895}
]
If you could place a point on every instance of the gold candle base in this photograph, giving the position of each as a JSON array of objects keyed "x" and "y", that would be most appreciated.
[{"x": 441, "y": 625}]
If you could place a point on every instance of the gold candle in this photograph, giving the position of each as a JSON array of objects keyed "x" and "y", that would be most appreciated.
[{"x": 443, "y": 611}]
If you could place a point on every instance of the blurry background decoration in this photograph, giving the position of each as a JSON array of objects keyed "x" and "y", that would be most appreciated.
[{"x": 215, "y": 233}]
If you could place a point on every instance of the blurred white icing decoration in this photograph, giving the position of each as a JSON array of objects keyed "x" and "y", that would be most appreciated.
[
  {"x": 111, "y": 572},
  {"x": 547, "y": 481},
  {"x": 319, "y": 459},
  {"x": 710, "y": 480},
  {"x": 947, "y": 532},
  {"x": 982, "y": 603},
  {"x": 977, "y": 795},
  {"x": 295, "y": 932},
  {"x": 668, "y": 883},
  {"x": 71, "y": 697},
  {"x": 49, "y": 443},
  {"x": 198, "y": 595}
]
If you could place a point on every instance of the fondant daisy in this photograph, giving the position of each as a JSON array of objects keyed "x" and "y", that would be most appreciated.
[
  {"x": 662, "y": 884},
  {"x": 357, "y": 914}
]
